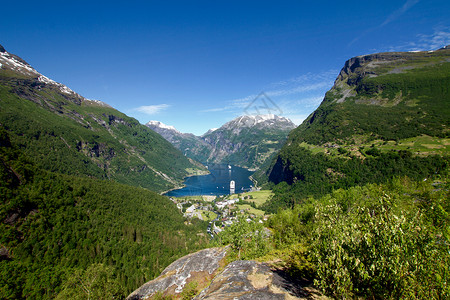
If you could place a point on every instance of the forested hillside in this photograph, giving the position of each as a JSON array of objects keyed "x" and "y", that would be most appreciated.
[
  {"x": 386, "y": 115},
  {"x": 59, "y": 230},
  {"x": 77, "y": 218},
  {"x": 62, "y": 131}
]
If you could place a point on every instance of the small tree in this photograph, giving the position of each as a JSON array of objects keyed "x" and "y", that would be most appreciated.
[
  {"x": 96, "y": 282},
  {"x": 246, "y": 238}
]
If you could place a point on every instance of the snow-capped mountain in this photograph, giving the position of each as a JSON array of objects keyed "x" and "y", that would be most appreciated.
[
  {"x": 209, "y": 131},
  {"x": 269, "y": 121},
  {"x": 13, "y": 63},
  {"x": 161, "y": 125},
  {"x": 247, "y": 141}
]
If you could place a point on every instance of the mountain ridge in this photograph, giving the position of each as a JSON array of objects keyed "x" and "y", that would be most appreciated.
[
  {"x": 88, "y": 136},
  {"x": 262, "y": 135}
]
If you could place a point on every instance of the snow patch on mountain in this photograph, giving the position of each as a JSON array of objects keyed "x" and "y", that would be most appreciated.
[
  {"x": 161, "y": 125},
  {"x": 46, "y": 80},
  {"x": 260, "y": 120},
  {"x": 61, "y": 86},
  {"x": 14, "y": 63},
  {"x": 209, "y": 131},
  {"x": 98, "y": 102}
]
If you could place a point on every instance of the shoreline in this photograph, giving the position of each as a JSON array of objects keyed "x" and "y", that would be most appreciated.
[
  {"x": 183, "y": 185},
  {"x": 172, "y": 189}
]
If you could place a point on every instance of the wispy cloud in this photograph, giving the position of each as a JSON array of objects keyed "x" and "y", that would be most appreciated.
[
  {"x": 439, "y": 38},
  {"x": 392, "y": 17},
  {"x": 296, "y": 118},
  {"x": 305, "y": 79},
  {"x": 295, "y": 97},
  {"x": 399, "y": 12},
  {"x": 232, "y": 105},
  {"x": 298, "y": 89},
  {"x": 310, "y": 101},
  {"x": 151, "y": 109}
]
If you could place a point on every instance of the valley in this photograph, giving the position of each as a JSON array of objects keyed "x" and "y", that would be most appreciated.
[
  {"x": 352, "y": 203},
  {"x": 248, "y": 141}
]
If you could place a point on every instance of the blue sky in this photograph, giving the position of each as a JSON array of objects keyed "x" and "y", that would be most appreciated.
[{"x": 198, "y": 64}]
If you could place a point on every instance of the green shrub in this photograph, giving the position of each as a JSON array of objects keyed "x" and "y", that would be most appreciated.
[
  {"x": 379, "y": 252},
  {"x": 247, "y": 239}
]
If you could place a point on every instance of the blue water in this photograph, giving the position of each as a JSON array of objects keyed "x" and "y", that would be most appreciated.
[{"x": 217, "y": 183}]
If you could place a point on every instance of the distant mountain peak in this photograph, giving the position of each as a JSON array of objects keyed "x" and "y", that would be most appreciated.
[
  {"x": 209, "y": 131},
  {"x": 97, "y": 141},
  {"x": 247, "y": 141},
  {"x": 161, "y": 125},
  {"x": 266, "y": 117},
  {"x": 266, "y": 120}
]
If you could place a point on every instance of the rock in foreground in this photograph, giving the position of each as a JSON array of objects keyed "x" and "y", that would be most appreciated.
[
  {"x": 238, "y": 280},
  {"x": 199, "y": 267}
]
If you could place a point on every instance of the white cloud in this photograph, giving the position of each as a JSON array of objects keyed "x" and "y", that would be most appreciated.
[
  {"x": 232, "y": 105},
  {"x": 152, "y": 109},
  {"x": 438, "y": 39},
  {"x": 214, "y": 109},
  {"x": 311, "y": 101},
  {"x": 307, "y": 78},
  {"x": 396, "y": 14},
  {"x": 298, "y": 89},
  {"x": 300, "y": 93}
]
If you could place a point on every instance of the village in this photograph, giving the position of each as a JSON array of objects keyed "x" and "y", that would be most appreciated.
[{"x": 223, "y": 211}]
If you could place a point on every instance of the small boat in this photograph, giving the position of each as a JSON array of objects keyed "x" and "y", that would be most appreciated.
[{"x": 229, "y": 167}]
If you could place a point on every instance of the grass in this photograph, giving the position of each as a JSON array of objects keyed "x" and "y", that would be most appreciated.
[
  {"x": 207, "y": 215},
  {"x": 314, "y": 149},
  {"x": 259, "y": 197},
  {"x": 194, "y": 198},
  {"x": 251, "y": 210},
  {"x": 422, "y": 145},
  {"x": 208, "y": 198}
]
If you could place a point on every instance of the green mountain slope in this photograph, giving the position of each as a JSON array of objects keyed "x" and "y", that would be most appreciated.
[
  {"x": 387, "y": 114},
  {"x": 388, "y": 96},
  {"x": 56, "y": 226},
  {"x": 62, "y": 131}
]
